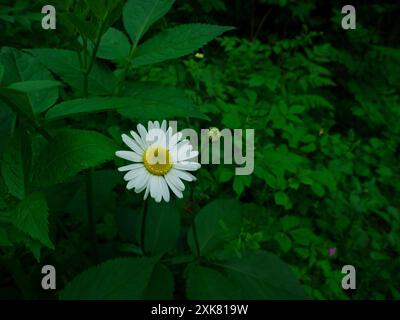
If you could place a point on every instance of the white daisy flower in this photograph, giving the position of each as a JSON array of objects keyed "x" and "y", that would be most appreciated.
[{"x": 160, "y": 159}]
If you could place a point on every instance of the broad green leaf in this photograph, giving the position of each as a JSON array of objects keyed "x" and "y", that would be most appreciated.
[
  {"x": 34, "y": 247},
  {"x": 119, "y": 279},
  {"x": 98, "y": 7},
  {"x": 4, "y": 241},
  {"x": 204, "y": 283},
  {"x": 75, "y": 23},
  {"x": 33, "y": 85},
  {"x": 103, "y": 183},
  {"x": 176, "y": 42},
  {"x": 139, "y": 15},
  {"x": 70, "y": 152},
  {"x": 7, "y": 123},
  {"x": 83, "y": 106},
  {"x": 31, "y": 217},
  {"x": 161, "y": 284},
  {"x": 163, "y": 228},
  {"x": 262, "y": 275},
  {"x": 1, "y": 72},
  {"x": 153, "y": 101},
  {"x": 148, "y": 102},
  {"x": 20, "y": 66},
  {"x": 15, "y": 167},
  {"x": 114, "y": 45},
  {"x": 65, "y": 64},
  {"x": 216, "y": 223}
]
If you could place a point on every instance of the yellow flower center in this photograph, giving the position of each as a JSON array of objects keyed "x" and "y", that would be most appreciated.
[{"x": 157, "y": 160}]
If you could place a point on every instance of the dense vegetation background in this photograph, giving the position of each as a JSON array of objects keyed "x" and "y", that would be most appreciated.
[{"x": 325, "y": 106}]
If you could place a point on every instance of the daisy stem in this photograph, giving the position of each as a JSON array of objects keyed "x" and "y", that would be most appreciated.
[
  {"x": 87, "y": 65},
  {"x": 196, "y": 240},
  {"x": 143, "y": 229},
  {"x": 89, "y": 202}
]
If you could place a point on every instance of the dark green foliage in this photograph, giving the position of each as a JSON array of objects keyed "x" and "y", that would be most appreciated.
[{"x": 325, "y": 106}]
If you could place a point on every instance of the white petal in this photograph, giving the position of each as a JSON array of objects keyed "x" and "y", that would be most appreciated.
[
  {"x": 172, "y": 187},
  {"x": 165, "y": 190},
  {"x": 130, "y": 167},
  {"x": 138, "y": 140},
  {"x": 187, "y": 166},
  {"x": 174, "y": 179},
  {"x": 175, "y": 139},
  {"x": 143, "y": 133},
  {"x": 142, "y": 181},
  {"x": 129, "y": 155},
  {"x": 133, "y": 174},
  {"x": 164, "y": 125},
  {"x": 181, "y": 144},
  {"x": 154, "y": 187},
  {"x": 156, "y": 125},
  {"x": 160, "y": 189},
  {"x": 146, "y": 193},
  {"x": 150, "y": 125},
  {"x": 132, "y": 144},
  {"x": 130, "y": 185},
  {"x": 183, "y": 175},
  {"x": 187, "y": 156}
]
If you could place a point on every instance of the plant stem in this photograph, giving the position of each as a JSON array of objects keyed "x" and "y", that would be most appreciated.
[
  {"x": 87, "y": 68},
  {"x": 89, "y": 65},
  {"x": 196, "y": 239},
  {"x": 143, "y": 228},
  {"x": 89, "y": 203},
  {"x": 126, "y": 67}
]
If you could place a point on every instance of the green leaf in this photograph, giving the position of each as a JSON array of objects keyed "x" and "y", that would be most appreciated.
[
  {"x": 289, "y": 222},
  {"x": 31, "y": 217},
  {"x": 152, "y": 101},
  {"x": 176, "y": 42},
  {"x": 83, "y": 106},
  {"x": 284, "y": 241},
  {"x": 225, "y": 174},
  {"x": 7, "y": 124},
  {"x": 16, "y": 164},
  {"x": 119, "y": 279},
  {"x": 19, "y": 66},
  {"x": 1, "y": 72},
  {"x": 75, "y": 23},
  {"x": 114, "y": 45},
  {"x": 148, "y": 102},
  {"x": 240, "y": 183},
  {"x": 65, "y": 64},
  {"x": 139, "y": 15},
  {"x": 302, "y": 236},
  {"x": 262, "y": 275},
  {"x": 216, "y": 223},
  {"x": 282, "y": 199},
  {"x": 33, "y": 85},
  {"x": 34, "y": 247},
  {"x": 70, "y": 152},
  {"x": 164, "y": 220},
  {"x": 4, "y": 241},
  {"x": 208, "y": 284},
  {"x": 161, "y": 284}
]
